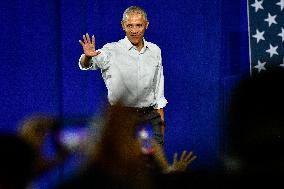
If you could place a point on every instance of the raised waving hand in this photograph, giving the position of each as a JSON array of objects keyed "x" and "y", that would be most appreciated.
[{"x": 89, "y": 46}]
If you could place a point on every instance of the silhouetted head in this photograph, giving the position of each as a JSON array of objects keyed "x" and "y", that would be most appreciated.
[
  {"x": 118, "y": 142},
  {"x": 256, "y": 126}
]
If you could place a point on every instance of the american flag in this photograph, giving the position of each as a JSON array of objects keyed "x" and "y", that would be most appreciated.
[{"x": 266, "y": 35}]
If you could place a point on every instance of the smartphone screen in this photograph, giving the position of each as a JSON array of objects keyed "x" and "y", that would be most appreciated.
[
  {"x": 145, "y": 135},
  {"x": 72, "y": 138},
  {"x": 72, "y": 133}
]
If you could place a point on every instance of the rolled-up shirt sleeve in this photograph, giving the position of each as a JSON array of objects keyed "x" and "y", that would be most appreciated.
[
  {"x": 161, "y": 101},
  {"x": 99, "y": 61}
]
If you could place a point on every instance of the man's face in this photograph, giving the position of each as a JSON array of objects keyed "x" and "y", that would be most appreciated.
[{"x": 134, "y": 27}]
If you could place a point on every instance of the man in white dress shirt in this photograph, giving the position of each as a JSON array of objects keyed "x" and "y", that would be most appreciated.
[{"x": 131, "y": 68}]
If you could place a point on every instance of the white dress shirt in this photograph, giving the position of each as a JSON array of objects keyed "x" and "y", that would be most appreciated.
[{"x": 133, "y": 78}]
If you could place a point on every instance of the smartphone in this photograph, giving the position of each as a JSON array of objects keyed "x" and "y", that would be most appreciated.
[
  {"x": 72, "y": 134},
  {"x": 145, "y": 136}
]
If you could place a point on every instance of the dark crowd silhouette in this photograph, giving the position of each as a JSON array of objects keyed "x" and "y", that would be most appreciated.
[{"x": 117, "y": 160}]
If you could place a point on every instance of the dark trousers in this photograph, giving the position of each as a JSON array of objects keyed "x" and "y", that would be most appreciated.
[{"x": 147, "y": 115}]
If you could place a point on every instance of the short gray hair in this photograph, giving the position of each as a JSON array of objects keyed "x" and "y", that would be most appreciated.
[{"x": 134, "y": 9}]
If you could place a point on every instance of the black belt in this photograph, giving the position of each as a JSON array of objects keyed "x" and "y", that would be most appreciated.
[{"x": 144, "y": 109}]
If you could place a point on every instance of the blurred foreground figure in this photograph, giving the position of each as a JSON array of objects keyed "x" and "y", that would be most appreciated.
[
  {"x": 119, "y": 161},
  {"x": 116, "y": 160},
  {"x": 256, "y": 131},
  {"x": 33, "y": 131}
]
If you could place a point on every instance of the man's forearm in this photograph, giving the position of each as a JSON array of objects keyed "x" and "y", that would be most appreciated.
[{"x": 85, "y": 61}]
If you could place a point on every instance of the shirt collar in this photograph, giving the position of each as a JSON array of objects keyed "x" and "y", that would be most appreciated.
[{"x": 129, "y": 45}]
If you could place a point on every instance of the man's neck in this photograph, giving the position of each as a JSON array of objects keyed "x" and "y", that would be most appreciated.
[{"x": 139, "y": 46}]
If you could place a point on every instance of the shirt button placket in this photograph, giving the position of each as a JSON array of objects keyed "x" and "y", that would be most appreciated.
[{"x": 138, "y": 75}]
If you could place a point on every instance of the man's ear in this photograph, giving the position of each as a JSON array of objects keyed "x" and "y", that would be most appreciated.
[
  {"x": 147, "y": 24},
  {"x": 122, "y": 25}
]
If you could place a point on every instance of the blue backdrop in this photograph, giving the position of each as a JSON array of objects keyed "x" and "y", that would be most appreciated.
[{"x": 204, "y": 47}]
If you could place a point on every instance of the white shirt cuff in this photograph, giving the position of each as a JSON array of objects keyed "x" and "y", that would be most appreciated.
[
  {"x": 84, "y": 68},
  {"x": 161, "y": 103}
]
